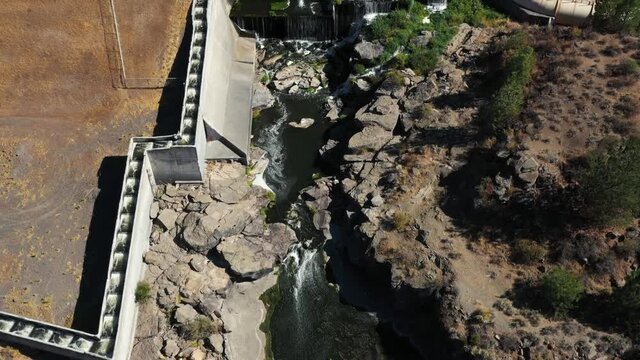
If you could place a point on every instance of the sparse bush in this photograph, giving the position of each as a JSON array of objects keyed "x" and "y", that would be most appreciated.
[
  {"x": 627, "y": 106},
  {"x": 425, "y": 111},
  {"x": 199, "y": 328},
  {"x": 528, "y": 252},
  {"x": 610, "y": 182},
  {"x": 482, "y": 316},
  {"x": 401, "y": 220},
  {"x": 628, "y": 248},
  {"x": 561, "y": 290},
  {"x": 143, "y": 292}
]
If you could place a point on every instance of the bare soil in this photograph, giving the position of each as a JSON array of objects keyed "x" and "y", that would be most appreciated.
[{"x": 62, "y": 122}]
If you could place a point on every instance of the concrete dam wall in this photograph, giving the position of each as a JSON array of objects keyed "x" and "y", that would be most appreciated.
[{"x": 215, "y": 124}]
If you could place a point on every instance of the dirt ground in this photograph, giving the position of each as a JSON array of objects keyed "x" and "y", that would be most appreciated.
[{"x": 61, "y": 121}]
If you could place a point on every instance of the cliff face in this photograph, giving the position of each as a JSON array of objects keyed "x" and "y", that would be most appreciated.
[{"x": 408, "y": 163}]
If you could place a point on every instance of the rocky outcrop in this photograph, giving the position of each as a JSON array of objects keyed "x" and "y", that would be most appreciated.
[
  {"x": 262, "y": 97},
  {"x": 368, "y": 52},
  {"x": 205, "y": 237}
]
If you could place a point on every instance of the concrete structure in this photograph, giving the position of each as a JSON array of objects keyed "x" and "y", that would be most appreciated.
[
  {"x": 215, "y": 124},
  {"x": 566, "y": 12}
]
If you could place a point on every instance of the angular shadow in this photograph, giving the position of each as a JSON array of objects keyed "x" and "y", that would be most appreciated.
[
  {"x": 170, "y": 105},
  {"x": 98, "y": 247}
]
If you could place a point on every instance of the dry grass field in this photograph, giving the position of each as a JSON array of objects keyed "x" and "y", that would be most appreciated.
[{"x": 61, "y": 122}]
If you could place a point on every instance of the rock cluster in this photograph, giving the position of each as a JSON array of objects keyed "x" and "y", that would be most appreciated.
[
  {"x": 204, "y": 239},
  {"x": 289, "y": 70}
]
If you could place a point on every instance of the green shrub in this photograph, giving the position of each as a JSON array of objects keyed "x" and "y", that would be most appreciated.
[
  {"x": 528, "y": 252},
  {"x": 199, "y": 328},
  {"x": 561, "y": 290},
  {"x": 617, "y": 16},
  {"x": 359, "y": 69},
  {"x": 143, "y": 292},
  {"x": 401, "y": 220},
  {"x": 508, "y": 101},
  {"x": 400, "y": 26},
  {"x": 279, "y": 5},
  {"x": 627, "y": 304},
  {"x": 610, "y": 183}
]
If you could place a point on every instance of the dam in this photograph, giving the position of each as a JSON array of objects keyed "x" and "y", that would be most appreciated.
[{"x": 215, "y": 125}]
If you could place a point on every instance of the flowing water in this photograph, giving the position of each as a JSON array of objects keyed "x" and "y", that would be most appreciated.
[{"x": 310, "y": 322}]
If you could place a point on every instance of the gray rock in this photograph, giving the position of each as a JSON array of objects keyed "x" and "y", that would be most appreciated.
[
  {"x": 362, "y": 85},
  {"x": 321, "y": 220},
  {"x": 280, "y": 236},
  {"x": 303, "y": 124},
  {"x": 422, "y": 40},
  {"x": 370, "y": 138},
  {"x": 526, "y": 169},
  {"x": 229, "y": 191},
  {"x": 170, "y": 348},
  {"x": 383, "y": 112},
  {"x": 368, "y": 52},
  {"x": 199, "y": 232},
  {"x": 248, "y": 257},
  {"x": 377, "y": 200},
  {"x": 184, "y": 314},
  {"x": 197, "y": 354},
  {"x": 211, "y": 305},
  {"x": 289, "y": 71},
  {"x": 198, "y": 262},
  {"x": 216, "y": 343},
  {"x": 422, "y": 93},
  {"x": 203, "y": 198},
  {"x": 167, "y": 218},
  {"x": 253, "y": 257},
  {"x": 155, "y": 209},
  {"x": 262, "y": 97}
]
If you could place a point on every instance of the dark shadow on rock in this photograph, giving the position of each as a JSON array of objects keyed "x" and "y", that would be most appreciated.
[
  {"x": 98, "y": 247},
  {"x": 170, "y": 105},
  {"x": 471, "y": 203},
  {"x": 456, "y": 101}
]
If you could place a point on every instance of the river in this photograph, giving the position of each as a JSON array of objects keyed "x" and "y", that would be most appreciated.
[{"x": 311, "y": 321}]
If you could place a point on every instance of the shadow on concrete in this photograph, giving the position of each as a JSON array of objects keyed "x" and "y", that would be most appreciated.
[
  {"x": 96, "y": 256},
  {"x": 170, "y": 105},
  {"x": 30, "y": 353},
  {"x": 105, "y": 209}
]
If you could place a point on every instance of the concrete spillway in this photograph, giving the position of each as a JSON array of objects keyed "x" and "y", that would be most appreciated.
[{"x": 215, "y": 124}]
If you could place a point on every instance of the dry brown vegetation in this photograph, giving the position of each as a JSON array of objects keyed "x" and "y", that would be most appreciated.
[{"x": 60, "y": 117}]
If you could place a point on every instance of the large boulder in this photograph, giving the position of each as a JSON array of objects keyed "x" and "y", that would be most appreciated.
[
  {"x": 251, "y": 257},
  {"x": 526, "y": 168},
  {"x": 262, "y": 97},
  {"x": 248, "y": 257},
  {"x": 371, "y": 138},
  {"x": 184, "y": 314},
  {"x": 384, "y": 112},
  {"x": 199, "y": 232},
  {"x": 368, "y": 52}
]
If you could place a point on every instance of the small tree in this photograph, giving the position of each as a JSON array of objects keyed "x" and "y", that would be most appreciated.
[
  {"x": 618, "y": 16},
  {"x": 610, "y": 182},
  {"x": 561, "y": 290},
  {"x": 627, "y": 305},
  {"x": 143, "y": 292}
]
